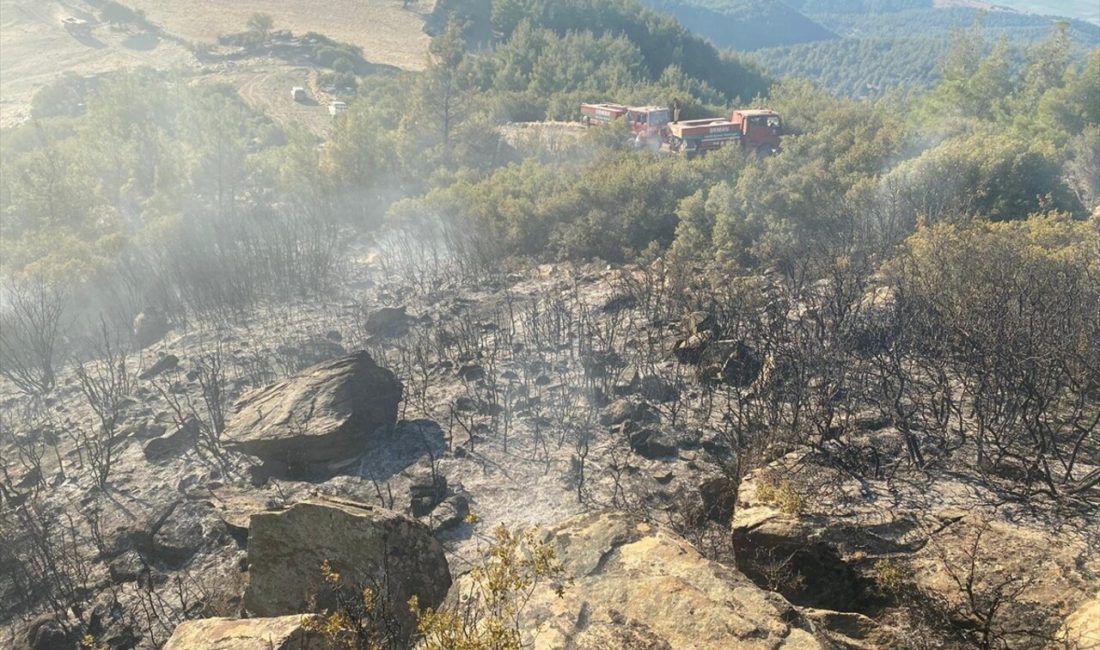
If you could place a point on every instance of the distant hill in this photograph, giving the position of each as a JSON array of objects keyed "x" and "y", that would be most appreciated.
[
  {"x": 745, "y": 25},
  {"x": 1018, "y": 28},
  {"x": 861, "y": 48}
]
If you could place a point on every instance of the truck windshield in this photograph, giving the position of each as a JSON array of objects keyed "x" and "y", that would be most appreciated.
[{"x": 658, "y": 118}]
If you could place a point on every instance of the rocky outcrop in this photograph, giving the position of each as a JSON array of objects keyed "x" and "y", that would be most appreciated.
[
  {"x": 776, "y": 547},
  {"x": 850, "y": 630},
  {"x": 450, "y": 514},
  {"x": 388, "y": 322},
  {"x": 325, "y": 413},
  {"x": 699, "y": 329},
  {"x": 628, "y": 410},
  {"x": 162, "y": 365},
  {"x": 848, "y": 544},
  {"x": 149, "y": 327},
  {"x": 367, "y": 546},
  {"x": 43, "y": 633},
  {"x": 738, "y": 364},
  {"x": 172, "y": 444},
  {"x": 639, "y": 586},
  {"x": 652, "y": 443},
  {"x": 280, "y": 633}
]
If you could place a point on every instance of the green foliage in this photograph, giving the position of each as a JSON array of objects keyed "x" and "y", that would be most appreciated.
[
  {"x": 489, "y": 616},
  {"x": 1082, "y": 170},
  {"x": 115, "y": 173},
  {"x": 661, "y": 40},
  {"x": 610, "y": 209},
  {"x": 998, "y": 175},
  {"x": 903, "y": 19},
  {"x": 781, "y": 494},
  {"x": 118, "y": 14},
  {"x": 359, "y": 618},
  {"x": 261, "y": 24},
  {"x": 327, "y": 53},
  {"x": 65, "y": 96},
  {"x": 892, "y": 46},
  {"x": 540, "y": 62}
]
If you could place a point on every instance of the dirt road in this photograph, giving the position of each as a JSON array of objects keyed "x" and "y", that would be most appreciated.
[{"x": 265, "y": 85}]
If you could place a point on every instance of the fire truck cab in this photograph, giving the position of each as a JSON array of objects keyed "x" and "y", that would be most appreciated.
[
  {"x": 760, "y": 129},
  {"x": 648, "y": 124}
]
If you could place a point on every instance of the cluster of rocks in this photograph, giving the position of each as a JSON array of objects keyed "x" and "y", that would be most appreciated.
[
  {"x": 731, "y": 361},
  {"x": 440, "y": 506},
  {"x": 631, "y": 584},
  {"x": 636, "y": 421}
]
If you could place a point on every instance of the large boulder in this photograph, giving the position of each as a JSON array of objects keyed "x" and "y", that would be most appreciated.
[
  {"x": 149, "y": 327},
  {"x": 43, "y": 633},
  {"x": 652, "y": 443},
  {"x": 388, "y": 322},
  {"x": 281, "y": 633},
  {"x": 367, "y": 546},
  {"x": 325, "y": 413},
  {"x": 626, "y": 410},
  {"x": 741, "y": 365},
  {"x": 172, "y": 444},
  {"x": 1082, "y": 627},
  {"x": 162, "y": 365},
  {"x": 639, "y": 586}
]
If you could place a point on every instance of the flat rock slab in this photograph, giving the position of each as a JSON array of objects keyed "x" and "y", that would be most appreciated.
[
  {"x": 1082, "y": 627},
  {"x": 281, "y": 633},
  {"x": 325, "y": 413},
  {"x": 639, "y": 586},
  {"x": 368, "y": 547}
]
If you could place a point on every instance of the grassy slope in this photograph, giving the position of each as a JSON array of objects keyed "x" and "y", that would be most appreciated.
[{"x": 387, "y": 32}]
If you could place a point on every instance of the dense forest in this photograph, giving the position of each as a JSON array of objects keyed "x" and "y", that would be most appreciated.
[{"x": 860, "y": 48}]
